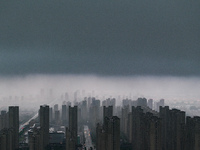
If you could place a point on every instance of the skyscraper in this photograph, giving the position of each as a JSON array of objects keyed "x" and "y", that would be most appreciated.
[
  {"x": 70, "y": 141},
  {"x": 173, "y": 128},
  {"x": 192, "y": 133},
  {"x": 146, "y": 130},
  {"x": 107, "y": 112},
  {"x": 73, "y": 118},
  {"x": 124, "y": 120},
  {"x": 64, "y": 115},
  {"x": 34, "y": 139},
  {"x": 141, "y": 102},
  {"x": 108, "y": 135},
  {"x": 3, "y": 119},
  {"x": 50, "y": 114},
  {"x": 150, "y": 103},
  {"x": 137, "y": 128},
  {"x": 14, "y": 125},
  {"x": 7, "y": 139},
  {"x": 44, "y": 125},
  {"x": 57, "y": 117}
]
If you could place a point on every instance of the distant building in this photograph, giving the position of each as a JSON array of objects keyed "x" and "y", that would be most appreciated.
[
  {"x": 107, "y": 112},
  {"x": 160, "y": 103},
  {"x": 150, "y": 103},
  {"x": 57, "y": 117},
  {"x": 55, "y": 108},
  {"x": 84, "y": 110},
  {"x": 129, "y": 127},
  {"x": 94, "y": 112},
  {"x": 141, "y": 102},
  {"x": 64, "y": 115},
  {"x": 50, "y": 115},
  {"x": 124, "y": 120}
]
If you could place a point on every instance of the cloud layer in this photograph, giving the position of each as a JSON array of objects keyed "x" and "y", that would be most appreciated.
[{"x": 115, "y": 37}]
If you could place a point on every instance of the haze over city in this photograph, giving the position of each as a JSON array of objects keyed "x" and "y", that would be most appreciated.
[
  {"x": 146, "y": 42},
  {"x": 99, "y": 74},
  {"x": 170, "y": 88}
]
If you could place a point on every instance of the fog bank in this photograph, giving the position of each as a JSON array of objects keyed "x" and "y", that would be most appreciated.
[{"x": 34, "y": 90}]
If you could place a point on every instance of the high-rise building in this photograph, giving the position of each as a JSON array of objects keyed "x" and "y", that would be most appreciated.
[
  {"x": 178, "y": 129},
  {"x": 104, "y": 103},
  {"x": 50, "y": 114},
  {"x": 107, "y": 111},
  {"x": 162, "y": 102},
  {"x": 146, "y": 130},
  {"x": 165, "y": 115},
  {"x": 57, "y": 117},
  {"x": 114, "y": 131},
  {"x": 150, "y": 103},
  {"x": 73, "y": 119},
  {"x": 66, "y": 96},
  {"x": 129, "y": 127},
  {"x": 159, "y": 103},
  {"x": 7, "y": 139},
  {"x": 192, "y": 133},
  {"x": 173, "y": 128},
  {"x": 44, "y": 125},
  {"x": 124, "y": 120},
  {"x": 100, "y": 137},
  {"x": 108, "y": 135},
  {"x": 141, "y": 102},
  {"x": 84, "y": 110},
  {"x": 3, "y": 119},
  {"x": 55, "y": 107},
  {"x": 64, "y": 115},
  {"x": 79, "y": 115},
  {"x": 137, "y": 128},
  {"x": 153, "y": 132},
  {"x": 34, "y": 140},
  {"x": 70, "y": 141},
  {"x": 94, "y": 115},
  {"x": 14, "y": 125}
]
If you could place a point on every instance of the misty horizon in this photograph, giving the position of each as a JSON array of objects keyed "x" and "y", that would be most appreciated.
[
  {"x": 128, "y": 48},
  {"x": 102, "y": 87},
  {"x": 131, "y": 70}
]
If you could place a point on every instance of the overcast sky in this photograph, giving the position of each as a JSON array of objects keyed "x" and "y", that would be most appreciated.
[{"x": 103, "y": 37}]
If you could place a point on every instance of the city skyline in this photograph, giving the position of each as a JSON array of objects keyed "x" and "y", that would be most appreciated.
[
  {"x": 137, "y": 48},
  {"x": 99, "y": 75}
]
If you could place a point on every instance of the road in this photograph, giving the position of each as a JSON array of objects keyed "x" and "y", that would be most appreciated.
[
  {"x": 88, "y": 140},
  {"x": 35, "y": 116}
]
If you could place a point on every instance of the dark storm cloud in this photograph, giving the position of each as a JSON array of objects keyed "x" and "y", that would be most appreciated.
[{"x": 158, "y": 37}]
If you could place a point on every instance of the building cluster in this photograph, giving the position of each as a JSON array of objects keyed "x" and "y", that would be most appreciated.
[
  {"x": 38, "y": 137},
  {"x": 108, "y": 134},
  {"x": 71, "y": 132},
  {"x": 9, "y": 129},
  {"x": 135, "y": 125},
  {"x": 168, "y": 129}
]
